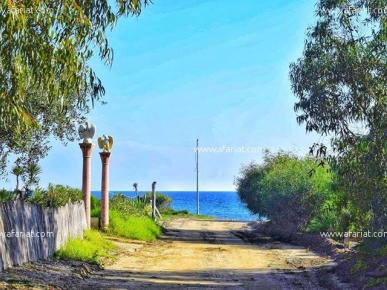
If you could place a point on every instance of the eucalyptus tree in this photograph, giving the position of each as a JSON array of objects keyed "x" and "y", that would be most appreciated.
[
  {"x": 46, "y": 82},
  {"x": 340, "y": 82}
]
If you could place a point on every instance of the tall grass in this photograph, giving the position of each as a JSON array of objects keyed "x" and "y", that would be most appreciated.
[
  {"x": 91, "y": 249},
  {"x": 129, "y": 206},
  {"x": 128, "y": 218},
  {"x": 133, "y": 227}
]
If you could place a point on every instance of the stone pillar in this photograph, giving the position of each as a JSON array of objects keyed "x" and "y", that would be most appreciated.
[
  {"x": 105, "y": 158},
  {"x": 86, "y": 148}
]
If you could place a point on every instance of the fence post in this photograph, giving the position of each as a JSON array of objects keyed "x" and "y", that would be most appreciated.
[{"x": 154, "y": 200}]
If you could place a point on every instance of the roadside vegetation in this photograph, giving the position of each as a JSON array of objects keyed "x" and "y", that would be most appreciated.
[
  {"x": 93, "y": 248},
  {"x": 295, "y": 194},
  {"x": 169, "y": 213},
  {"x": 55, "y": 195},
  {"x": 298, "y": 196},
  {"x": 339, "y": 83},
  {"x": 129, "y": 218}
]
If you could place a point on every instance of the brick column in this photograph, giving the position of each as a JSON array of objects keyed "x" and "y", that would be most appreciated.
[
  {"x": 105, "y": 158},
  {"x": 86, "y": 148}
]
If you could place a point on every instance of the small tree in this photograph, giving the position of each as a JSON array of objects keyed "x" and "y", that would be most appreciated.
[
  {"x": 17, "y": 171},
  {"x": 31, "y": 176}
]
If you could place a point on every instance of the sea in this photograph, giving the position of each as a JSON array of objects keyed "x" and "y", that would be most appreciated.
[{"x": 218, "y": 204}]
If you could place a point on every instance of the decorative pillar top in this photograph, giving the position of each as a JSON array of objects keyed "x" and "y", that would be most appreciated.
[
  {"x": 105, "y": 143},
  {"x": 87, "y": 132},
  {"x": 86, "y": 149},
  {"x": 105, "y": 157}
]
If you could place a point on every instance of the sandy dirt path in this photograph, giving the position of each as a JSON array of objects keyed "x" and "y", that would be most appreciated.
[
  {"x": 198, "y": 254},
  {"x": 192, "y": 254}
]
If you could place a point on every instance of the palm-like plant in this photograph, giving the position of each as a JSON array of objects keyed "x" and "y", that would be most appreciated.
[
  {"x": 17, "y": 171},
  {"x": 32, "y": 172},
  {"x": 30, "y": 177}
]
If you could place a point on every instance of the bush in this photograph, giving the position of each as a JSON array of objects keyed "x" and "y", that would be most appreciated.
[
  {"x": 284, "y": 190},
  {"x": 91, "y": 249},
  {"x": 96, "y": 212},
  {"x": 95, "y": 207},
  {"x": 94, "y": 202},
  {"x": 56, "y": 196},
  {"x": 6, "y": 195},
  {"x": 163, "y": 201},
  {"x": 128, "y": 206}
]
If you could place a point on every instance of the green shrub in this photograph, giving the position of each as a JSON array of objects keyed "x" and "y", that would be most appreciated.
[
  {"x": 129, "y": 206},
  {"x": 163, "y": 201},
  {"x": 91, "y": 249},
  {"x": 133, "y": 227},
  {"x": 336, "y": 215},
  {"x": 96, "y": 212},
  {"x": 94, "y": 202},
  {"x": 95, "y": 206},
  {"x": 132, "y": 207},
  {"x": 284, "y": 190},
  {"x": 6, "y": 195},
  {"x": 56, "y": 196}
]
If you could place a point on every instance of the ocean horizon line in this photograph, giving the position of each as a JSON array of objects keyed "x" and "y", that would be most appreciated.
[{"x": 171, "y": 190}]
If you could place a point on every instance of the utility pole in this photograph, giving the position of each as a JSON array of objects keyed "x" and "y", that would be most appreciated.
[{"x": 197, "y": 175}]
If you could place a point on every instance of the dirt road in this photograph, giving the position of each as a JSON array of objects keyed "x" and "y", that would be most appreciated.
[{"x": 198, "y": 254}]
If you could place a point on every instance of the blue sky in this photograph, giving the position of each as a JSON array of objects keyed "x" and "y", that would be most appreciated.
[{"x": 213, "y": 70}]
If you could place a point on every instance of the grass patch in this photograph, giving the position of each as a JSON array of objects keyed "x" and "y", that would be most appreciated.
[
  {"x": 169, "y": 213},
  {"x": 130, "y": 218},
  {"x": 91, "y": 249},
  {"x": 133, "y": 227}
]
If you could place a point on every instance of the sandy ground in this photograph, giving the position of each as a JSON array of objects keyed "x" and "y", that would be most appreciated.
[{"x": 193, "y": 254}]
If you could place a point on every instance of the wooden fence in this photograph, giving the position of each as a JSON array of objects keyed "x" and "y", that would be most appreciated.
[{"x": 30, "y": 232}]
